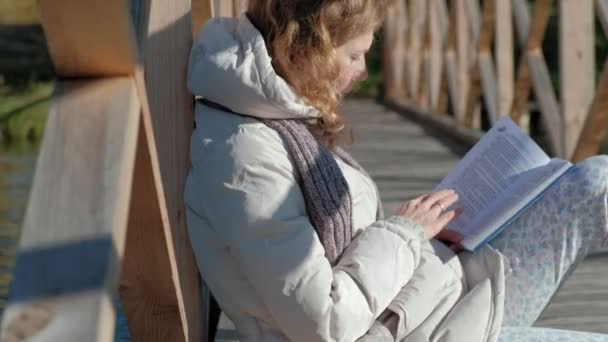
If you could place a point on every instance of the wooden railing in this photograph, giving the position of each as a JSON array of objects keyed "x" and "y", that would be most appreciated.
[
  {"x": 458, "y": 57},
  {"x": 106, "y": 206},
  {"x": 105, "y": 210}
]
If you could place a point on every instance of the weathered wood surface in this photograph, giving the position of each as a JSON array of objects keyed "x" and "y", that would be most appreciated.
[
  {"x": 461, "y": 61},
  {"x": 163, "y": 304},
  {"x": 407, "y": 160},
  {"x": 83, "y": 42},
  {"x": 74, "y": 229}
]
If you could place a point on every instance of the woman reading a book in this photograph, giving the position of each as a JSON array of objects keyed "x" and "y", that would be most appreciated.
[{"x": 288, "y": 229}]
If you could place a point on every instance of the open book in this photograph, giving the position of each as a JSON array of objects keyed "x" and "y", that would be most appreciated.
[{"x": 497, "y": 180}]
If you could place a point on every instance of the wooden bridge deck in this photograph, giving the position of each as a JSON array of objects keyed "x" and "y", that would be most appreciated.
[{"x": 406, "y": 160}]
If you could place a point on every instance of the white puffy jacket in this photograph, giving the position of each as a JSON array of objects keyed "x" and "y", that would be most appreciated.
[{"x": 254, "y": 243}]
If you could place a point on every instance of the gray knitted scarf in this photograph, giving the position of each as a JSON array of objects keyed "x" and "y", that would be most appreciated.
[{"x": 326, "y": 192}]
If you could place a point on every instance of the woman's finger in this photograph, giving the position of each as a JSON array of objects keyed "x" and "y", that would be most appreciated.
[
  {"x": 416, "y": 201},
  {"x": 437, "y": 196},
  {"x": 445, "y": 218},
  {"x": 447, "y": 201}
]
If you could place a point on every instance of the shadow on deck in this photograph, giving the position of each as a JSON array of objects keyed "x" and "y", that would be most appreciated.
[{"x": 406, "y": 160}]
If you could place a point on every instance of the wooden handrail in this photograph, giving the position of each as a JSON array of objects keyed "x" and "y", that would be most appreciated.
[{"x": 470, "y": 65}]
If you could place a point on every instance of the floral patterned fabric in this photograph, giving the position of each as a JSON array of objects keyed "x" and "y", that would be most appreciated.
[{"x": 545, "y": 243}]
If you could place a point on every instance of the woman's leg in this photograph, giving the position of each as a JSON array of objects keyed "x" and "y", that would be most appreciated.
[
  {"x": 537, "y": 334},
  {"x": 551, "y": 236}
]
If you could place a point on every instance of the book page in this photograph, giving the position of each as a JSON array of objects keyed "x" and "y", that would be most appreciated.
[
  {"x": 530, "y": 184},
  {"x": 495, "y": 162}
]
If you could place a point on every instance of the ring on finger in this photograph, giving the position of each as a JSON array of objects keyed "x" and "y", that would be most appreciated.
[{"x": 440, "y": 206}]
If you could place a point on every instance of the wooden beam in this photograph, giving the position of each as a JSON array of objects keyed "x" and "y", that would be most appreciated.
[
  {"x": 463, "y": 59},
  {"x": 451, "y": 88},
  {"x": 415, "y": 39},
  {"x": 504, "y": 47},
  {"x": 521, "y": 15},
  {"x": 577, "y": 67},
  {"x": 547, "y": 100},
  {"x": 74, "y": 229},
  {"x": 201, "y": 12},
  {"x": 596, "y": 125},
  {"x": 83, "y": 41},
  {"x": 536, "y": 32},
  {"x": 240, "y": 6},
  {"x": 483, "y": 75},
  {"x": 223, "y": 8},
  {"x": 147, "y": 290},
  {"x": 167, "y": 121},
  {"x": 394, "y": 51},
  {"x": 434, "y": 58}
]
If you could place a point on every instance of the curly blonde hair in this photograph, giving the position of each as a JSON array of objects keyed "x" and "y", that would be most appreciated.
[{"x": 302, "y": 35}]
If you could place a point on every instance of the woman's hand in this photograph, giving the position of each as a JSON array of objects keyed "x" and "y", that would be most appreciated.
[{"x": 428, "y": 211}]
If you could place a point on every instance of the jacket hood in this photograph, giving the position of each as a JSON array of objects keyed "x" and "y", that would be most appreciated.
[{"x": 230, "y": 65}]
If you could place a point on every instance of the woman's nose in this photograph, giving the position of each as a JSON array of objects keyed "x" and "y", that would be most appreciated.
[{"x": 363, "y": 75}]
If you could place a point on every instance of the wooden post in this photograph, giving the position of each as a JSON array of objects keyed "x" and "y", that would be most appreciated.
[
  {"x": 533, "y": 71},
  {"x": 107, "y": 168},
  {"x": 223, "y": 8},
  {"x": 201, "y": 12},
  {"x": 83, "y": 42},
  {"x": 414, "y": 51},
  {"x": 73, "y": 236},
  {"x": 596, "y": 124},
  {"x": 393, "y": 51},
  {"x": 463, "y": 41},
  {"x": 503, "y": 46},
  {"x": 577, "y": 67},
  {"x": 240, "y": 6},
  {"x": 434, "y": 57},
  {"x": 160, "y": 285}
]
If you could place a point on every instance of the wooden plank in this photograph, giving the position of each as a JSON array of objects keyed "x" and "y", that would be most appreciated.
[
  {"x": 74, "y": 229},
  {"x": 596, "y": 125},
  {"x": 83, "y": 42},
  {"x": 201, "y": 12},
  {"x": 399, "y": 48},
  {"x": 543, "y": 88},
  {"x": 167, "y": 118},
  {"x": 577, "y": 67},
  {"x": 223, "y": 8},
  {"x": 463, "y": 58},
  {"x": 403, "y": 27},
  {"x": 240, "y": 6},
  {"x": 435, "y": 53},
  {"x": 522, "y": 20},
  {"x": 416, "y": 29},
  {"x": 424, "y": 71},
  {"x": 488, "y": 84},
  {"x": 505, "y": 65},
  {"x": 485, "y": 60},
  {"x": 536, "y": 32},
  {"x": 147, "y": 290},
  {"x": 388, "y": 38},
  {"x": 452, "y": 90},
  {"x": 447, "y": 37},
  {"x": 482, "y": 74},
  {"x": 395, "y": 28}
]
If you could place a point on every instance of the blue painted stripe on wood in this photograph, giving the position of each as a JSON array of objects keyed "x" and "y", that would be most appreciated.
[{"x": 62, "y": 269}]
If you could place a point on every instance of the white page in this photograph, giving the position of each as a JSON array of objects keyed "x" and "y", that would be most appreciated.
[
  {"x": 517, "y": 196},
  {"x": 481, "y": 177}
]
